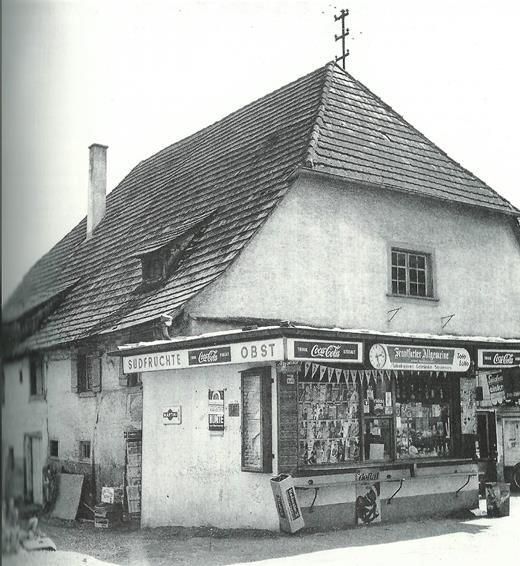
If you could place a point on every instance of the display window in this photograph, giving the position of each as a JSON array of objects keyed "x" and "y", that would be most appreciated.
[
  {"x": 422, "y": 419},
  {"x": 328, "y": 416},
  {"x": 349, "y": 416}
]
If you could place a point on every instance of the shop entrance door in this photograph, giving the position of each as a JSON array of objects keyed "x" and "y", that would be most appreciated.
[
  {"x": 511, "y": 435},
  {"x": 487, "y": 443}
]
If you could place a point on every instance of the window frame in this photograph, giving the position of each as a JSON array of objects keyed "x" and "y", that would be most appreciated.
[
  {"x": 54, "y": 442},
  {"x": 265, "y": 463},
  {"x": 430, "y": 270},
  {"x": 36, "y": 377},
  {"x": 81, "y": 448},
  {"x": 449, "y": 384},
  {"x": 87, "y": 382}
]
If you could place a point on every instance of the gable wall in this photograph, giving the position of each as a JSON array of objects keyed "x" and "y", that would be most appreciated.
[{"x": 322, "y": 259}]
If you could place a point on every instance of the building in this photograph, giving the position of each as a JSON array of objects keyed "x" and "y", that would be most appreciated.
[{"x": 316, "y": 204}]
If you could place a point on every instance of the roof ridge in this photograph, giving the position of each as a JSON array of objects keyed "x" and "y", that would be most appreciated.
[
  {"x": 420, "y": 134},
  {"x": 318, "y": 119}
]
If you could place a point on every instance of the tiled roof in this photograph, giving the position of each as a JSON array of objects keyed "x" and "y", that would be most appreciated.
[
  {"x": 230, "y": 175},
  {"x": 359, "y": 137}
]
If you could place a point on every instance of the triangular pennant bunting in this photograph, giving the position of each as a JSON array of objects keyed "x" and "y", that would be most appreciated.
[
  {"x": 338, "y": 374},
  {"x": 330, "y": 372},
  {"x": 323, "y": 369},
  {"x": 315, "y": 368},
  {"x": 307, "y": 368}
]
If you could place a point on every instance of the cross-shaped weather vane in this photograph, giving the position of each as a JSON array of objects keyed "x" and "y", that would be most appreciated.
[{"x": 342, "y": 36}]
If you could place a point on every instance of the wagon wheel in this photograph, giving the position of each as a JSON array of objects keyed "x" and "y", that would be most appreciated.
[{"x": 516, "y": 476}]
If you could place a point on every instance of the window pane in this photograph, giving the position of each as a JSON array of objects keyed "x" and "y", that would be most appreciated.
[
  {"x": 256, "y": 420},
  {"x": 402, "y": 289},
  {"x": 328, "y": 429},
  {"x": 422, "y": 418},
  {"x": 251, "y": 427}
]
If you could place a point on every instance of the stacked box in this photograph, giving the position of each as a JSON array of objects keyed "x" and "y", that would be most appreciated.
[
  {"x": 107, "y": 515},
  {"x": 133, "y": 477}
]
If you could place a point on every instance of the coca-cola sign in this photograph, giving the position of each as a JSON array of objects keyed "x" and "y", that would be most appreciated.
[
  {"x": 321, "y": 350},
  {"x": 218, "y": 355},
  {"x": 498, "y": 358}
]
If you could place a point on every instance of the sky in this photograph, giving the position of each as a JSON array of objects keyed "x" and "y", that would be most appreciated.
[{"x": 138, "y": 75}]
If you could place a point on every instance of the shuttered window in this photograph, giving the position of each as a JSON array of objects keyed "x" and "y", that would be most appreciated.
[
  {"x": 256, "y": 420},
  {"x": 88, "y": 373}
]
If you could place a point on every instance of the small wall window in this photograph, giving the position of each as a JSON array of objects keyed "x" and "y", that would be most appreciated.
[
  {"x": 256, "y": 420},
  {"x": 36, "y": 375},
  {"x": 88, "y": 372},
  {"x": 133, "y": 379},
  {"x": 84, "y": 449},
  {"x": 411, "y": 273},
  {"x": 54, "y": 449}
]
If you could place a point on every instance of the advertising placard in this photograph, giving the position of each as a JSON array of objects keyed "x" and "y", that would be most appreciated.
[
  {"x": 468, "y": 406},
  {"x": 220, "y": 355},
  {"x": 409, "y": 357},
  {"x": 240, "y": 352},
  {"x": 368, "y": 502},
  {"x": 495, "y": 384},
  {"x": 216, "y": 410},
  {"x": 172, "y": 415},
  {"x": 498, "y": 358},
  {"x": 331, "y": 351}
]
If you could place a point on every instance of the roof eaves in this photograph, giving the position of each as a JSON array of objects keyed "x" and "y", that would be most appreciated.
[{"x": 345, "y": 178}]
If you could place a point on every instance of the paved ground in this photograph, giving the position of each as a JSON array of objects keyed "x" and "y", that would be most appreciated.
[{"x": 436, "y": 542}]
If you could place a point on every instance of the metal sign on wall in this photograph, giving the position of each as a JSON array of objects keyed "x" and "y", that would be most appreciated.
[
  {"x": 241, "y": 352},
  {"x": 498, "y": 358},
  {"x": 408, "y": 357},
  {"x": 172, "y": 415},
  {"x": 331, "y": 351},
  {"x": 216, "y": 410}
]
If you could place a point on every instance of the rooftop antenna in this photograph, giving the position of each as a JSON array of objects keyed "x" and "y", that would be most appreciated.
[{"x": 344, "y": 33}]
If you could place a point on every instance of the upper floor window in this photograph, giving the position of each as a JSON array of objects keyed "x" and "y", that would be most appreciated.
[
  {"x": 36, "y": 375},
  {"x": 411, "y": 273},
  {"x": 88, "y": 373}
]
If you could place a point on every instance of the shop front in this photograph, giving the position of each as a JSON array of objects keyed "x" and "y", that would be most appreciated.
[
  {"x": 369, "y": 427},
  {"x": 498, "y": 415}
]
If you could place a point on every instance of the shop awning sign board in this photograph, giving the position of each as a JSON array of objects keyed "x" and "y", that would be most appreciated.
[
  {"x": 419, "y": 358},
  {"x": 236, "y": 353},
  {"x": 498, "y": 358},
  {"x": 330, "y": 351}
]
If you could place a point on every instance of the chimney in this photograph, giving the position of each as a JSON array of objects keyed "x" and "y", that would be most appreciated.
[{"x": 97, "y": 186}]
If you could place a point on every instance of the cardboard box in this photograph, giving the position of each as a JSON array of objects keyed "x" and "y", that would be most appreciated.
[
  {"x": 111, "y": 495},
  {"x": 286, "y": 501}
]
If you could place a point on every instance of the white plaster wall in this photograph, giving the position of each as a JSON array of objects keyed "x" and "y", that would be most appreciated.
[
  {"x": 322, "y": 259},
  {"x": 21, "y": 416},
  {"x": 100, "y": 418},
  {"x": 191, "y": 476}
]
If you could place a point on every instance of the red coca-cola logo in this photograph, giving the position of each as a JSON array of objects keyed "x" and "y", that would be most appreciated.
[
  {"x": 329, "y": 351},
  {"x": 210, "y": 356},
  {"x": 503, "y": 359}
]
